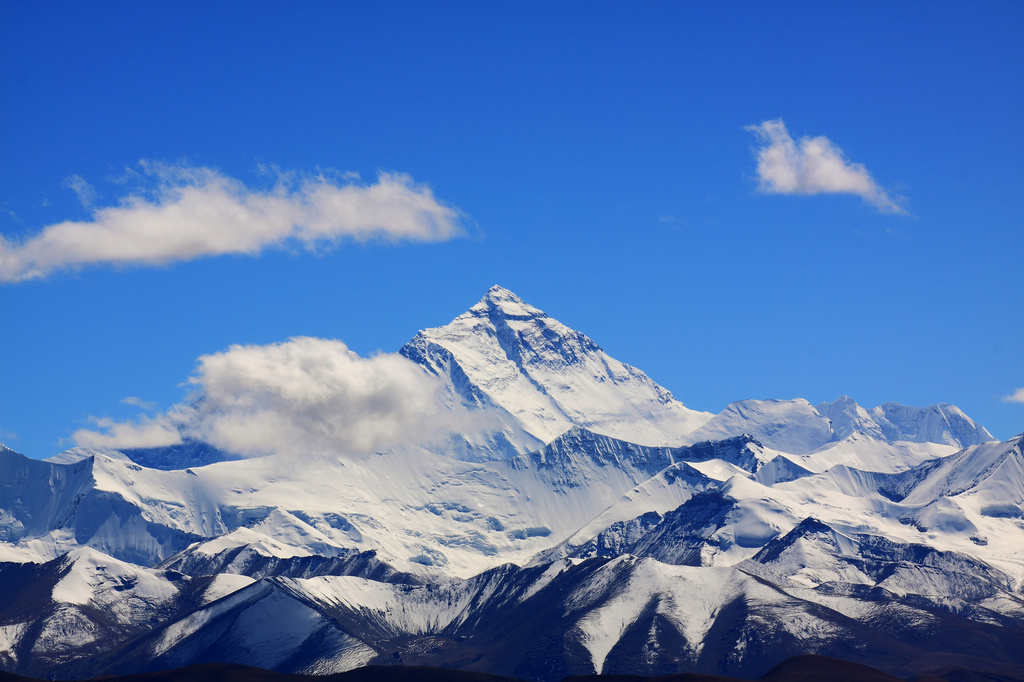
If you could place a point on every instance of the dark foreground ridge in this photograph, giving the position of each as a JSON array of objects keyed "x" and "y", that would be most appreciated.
[
  {"x": 806, "y": 668},
  {"x": 229, "y": 672}
]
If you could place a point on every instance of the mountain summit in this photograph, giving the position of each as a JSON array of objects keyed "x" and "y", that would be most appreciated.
[{"x": 545, "y": 378}]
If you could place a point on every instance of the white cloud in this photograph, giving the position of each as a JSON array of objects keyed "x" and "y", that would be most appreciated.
[
  {"x": 139, "y": 402},
  {"x": 86, "y": 193},
  {"x": 813, "y": 165},
  {"x": 191, "y": 212},
  {"x": 304, "y": 395},
  {"x": 1015, "y": 397},
  {"x": 147, "y": 433}
]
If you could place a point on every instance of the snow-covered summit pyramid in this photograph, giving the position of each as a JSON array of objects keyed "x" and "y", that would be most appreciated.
[{"x": 544, "y": 377}]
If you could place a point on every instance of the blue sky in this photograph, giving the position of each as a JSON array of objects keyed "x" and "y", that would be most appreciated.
[{"x": 599, "y": 159}]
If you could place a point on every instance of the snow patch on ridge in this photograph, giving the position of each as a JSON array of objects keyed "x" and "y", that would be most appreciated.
[
  {"x": 224, "y": 584},
  {"x": 94, "y": 574},
  {"x": 689, "y": 597}
]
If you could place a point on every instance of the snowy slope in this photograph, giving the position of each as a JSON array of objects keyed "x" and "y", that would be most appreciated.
[
  {"x": 817, "y": 563},
  {"x": 869, "y": 454},
  {"x": 101, "y": 500},
  {"x": 417, "y": 509},
  {"x": 991, "y": 475},
  {"x": 788, "y": 425},
  {"x": 420, "y": 511},
  {"x": 737, "y": 518},
  {"x": 83, "y": 603}
]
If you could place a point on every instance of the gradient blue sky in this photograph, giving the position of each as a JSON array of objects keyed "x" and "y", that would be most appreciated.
[{"x": 600, "y": 156}]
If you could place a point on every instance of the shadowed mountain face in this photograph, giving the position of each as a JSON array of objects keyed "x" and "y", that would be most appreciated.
[{"x": 599, "y": 526}]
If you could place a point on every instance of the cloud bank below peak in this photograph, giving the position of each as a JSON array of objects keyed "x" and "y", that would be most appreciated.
[
  {"x": 813, "y": 165},
  {"x": 301, "y": 396},
  {"x": 191, "y": 212}
]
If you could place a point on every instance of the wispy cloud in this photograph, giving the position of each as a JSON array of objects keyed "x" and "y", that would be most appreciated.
[
  {"x": 148, "y": 432},
  {"x": 813, "y": 165},
  {"x": 304, "y": 395},
  {"x": 139, "y": 402},
  {"x": 1015, "y": 397},
  {"x": 189, "y": 212},
  {"x": 86, "y": 192}
]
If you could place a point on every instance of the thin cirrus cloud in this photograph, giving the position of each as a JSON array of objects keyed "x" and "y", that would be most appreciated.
[
  {"x": 813, "y": 165},
  {"x": 191, "y": 212},
  {"x": 1015, "y": 397},
  {"x": 301, "y": 396}
]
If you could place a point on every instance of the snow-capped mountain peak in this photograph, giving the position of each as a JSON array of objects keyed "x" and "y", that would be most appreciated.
[
  {"x": 499, "y": 301},
  {"x": 543, "y": 377},
  {"x": 943, "y": 423},
  {"x": 848, "y": 417}
]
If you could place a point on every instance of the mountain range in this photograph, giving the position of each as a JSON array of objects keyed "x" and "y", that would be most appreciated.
[{"x": 592, "y": 524}]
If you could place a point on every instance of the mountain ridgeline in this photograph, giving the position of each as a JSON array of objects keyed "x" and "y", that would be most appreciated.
[{"x": 598, "y": 525}]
